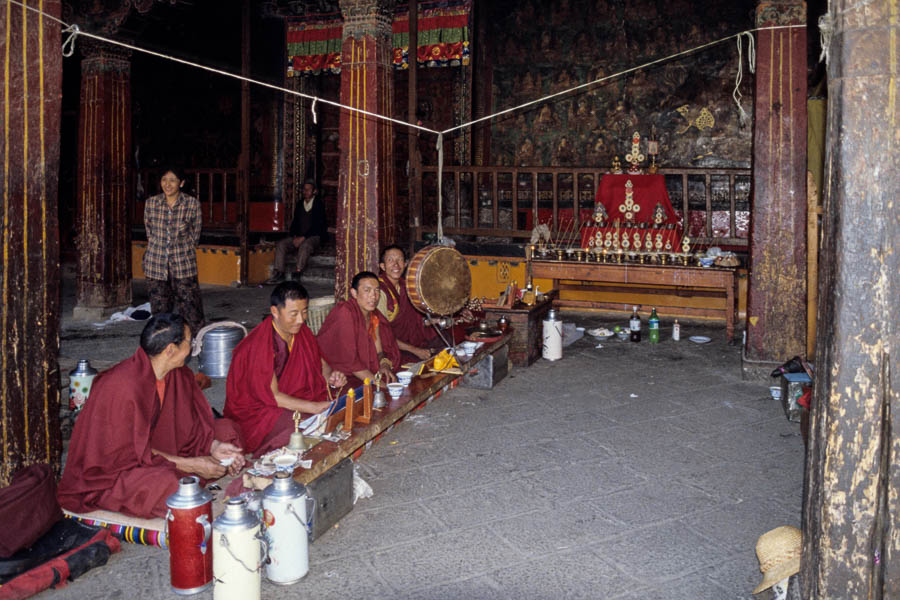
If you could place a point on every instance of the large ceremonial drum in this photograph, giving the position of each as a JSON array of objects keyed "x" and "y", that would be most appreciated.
[
  {"x": 438, "y": 280},
  {"x": 189, "y": 528}
]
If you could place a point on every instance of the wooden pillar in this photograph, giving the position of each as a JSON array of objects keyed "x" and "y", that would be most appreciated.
[
  {"x": 244, "y": 159},
  {"x": 366, "y": 199},
  {"x": 776, "y": 311},
  {"x": 29, "y": 275},
  {"x": 415, "y": 158},
  {"x": 852, "y": 507},
  {"x": 103, "y": 276}
]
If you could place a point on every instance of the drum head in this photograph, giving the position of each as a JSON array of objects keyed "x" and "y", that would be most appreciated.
[{"x": 438, "y": 280}]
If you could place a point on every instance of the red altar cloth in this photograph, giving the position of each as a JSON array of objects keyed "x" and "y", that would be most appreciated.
[
  {"x": 648, "y": 190},
  {"x": 673, "y": 235}
]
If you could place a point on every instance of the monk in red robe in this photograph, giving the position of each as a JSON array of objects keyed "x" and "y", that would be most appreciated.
[
  {"x": 415, "y": 340},
  {"x": 276, "y": 371},
  {"x": 145, "y": 426},
  {"x": 356, "y": 338}
]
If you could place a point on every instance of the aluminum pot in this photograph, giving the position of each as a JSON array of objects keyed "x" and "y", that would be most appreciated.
[{"x": 215, "y": 353}]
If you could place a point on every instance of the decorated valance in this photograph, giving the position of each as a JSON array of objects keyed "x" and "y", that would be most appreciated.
[
  {"x": 314, "y": 43},
  {"x": 443, "y": 32}
]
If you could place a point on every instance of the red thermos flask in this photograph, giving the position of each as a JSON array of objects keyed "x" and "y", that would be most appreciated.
[{"x": 189, "y": 529}]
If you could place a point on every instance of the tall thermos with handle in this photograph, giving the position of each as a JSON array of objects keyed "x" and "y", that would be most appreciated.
[
  {"x": 552, "y": 336},
  {"x": 287, "y": 514},
  {"x": 80, "y": 380},
  {"x": 239, "y": 552},
  {"x": 188, "y": 532}
]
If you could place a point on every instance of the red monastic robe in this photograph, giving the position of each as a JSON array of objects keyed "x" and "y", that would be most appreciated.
[
  {"x": 406, "y": 322},
  {"x": 110, "y": 465},
  {"x": 249, "y": 400},
  {"x": 345, "y": 342}
]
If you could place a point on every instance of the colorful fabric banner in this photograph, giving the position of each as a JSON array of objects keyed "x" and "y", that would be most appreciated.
[
  {"x": 314, "y": 42},
  {"x": 314, "y": 45},
  {"x": 443, "y": 32}
]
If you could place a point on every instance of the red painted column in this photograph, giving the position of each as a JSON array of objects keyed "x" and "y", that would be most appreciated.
[
  {"x": 30, "y": 103},
  {"x": 103, "y": 276},
  {"x": 776, "y": 308},
  {"x": 366, "y": 217}
]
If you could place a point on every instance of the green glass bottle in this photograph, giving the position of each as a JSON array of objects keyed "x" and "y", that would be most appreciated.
[{"x": 653, "y": 323}]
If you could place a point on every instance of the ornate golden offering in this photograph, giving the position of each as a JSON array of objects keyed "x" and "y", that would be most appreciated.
[{"x": 635, "y": 158}]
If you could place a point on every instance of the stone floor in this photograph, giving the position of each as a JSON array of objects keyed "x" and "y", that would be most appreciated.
[{"x": 631, "y": 471}]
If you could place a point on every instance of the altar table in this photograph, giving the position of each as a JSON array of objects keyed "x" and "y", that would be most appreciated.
[{"x": 710, "y": 281}]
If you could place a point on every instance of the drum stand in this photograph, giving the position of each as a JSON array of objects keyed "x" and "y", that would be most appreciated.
[{"x": 433, "y": 322}]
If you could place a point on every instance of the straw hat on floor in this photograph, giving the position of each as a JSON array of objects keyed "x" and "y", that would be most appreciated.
[{"x": 778, "y": 552}]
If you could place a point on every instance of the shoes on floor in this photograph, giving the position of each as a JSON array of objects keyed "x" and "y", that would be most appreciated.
[{"x": 275, "y": 279}]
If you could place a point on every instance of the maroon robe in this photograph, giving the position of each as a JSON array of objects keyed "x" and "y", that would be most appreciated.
[
  {"x": 345, "y": 342},
  {"x": 406, "y": 322},
  {"x": 249, "y": 399},
  {"x": 110, "y": 465}
]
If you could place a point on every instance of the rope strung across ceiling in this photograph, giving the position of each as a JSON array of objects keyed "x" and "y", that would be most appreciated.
[{"x": 74, "y": 31}]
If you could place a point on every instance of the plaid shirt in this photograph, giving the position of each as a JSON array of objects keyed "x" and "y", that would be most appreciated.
[{"x": 172, "y": 236}]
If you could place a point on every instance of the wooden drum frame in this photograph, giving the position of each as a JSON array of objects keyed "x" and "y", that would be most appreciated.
[{"x": 438, "y": 280}]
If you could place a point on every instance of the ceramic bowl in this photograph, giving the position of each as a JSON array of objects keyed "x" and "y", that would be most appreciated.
[
  {"x": 404, "y": 377},
  {"x": 623, "y": 335},
  {"x": 707, "y": 261},
  {"x": 470, "y": 347},
  {"x": 395, "y": 390}
]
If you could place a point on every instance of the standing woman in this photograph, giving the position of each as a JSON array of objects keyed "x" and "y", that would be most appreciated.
[{"x": 172, "y": 221}]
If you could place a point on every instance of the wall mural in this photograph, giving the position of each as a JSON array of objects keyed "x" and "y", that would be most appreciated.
[{"x": 685, "y": 103}]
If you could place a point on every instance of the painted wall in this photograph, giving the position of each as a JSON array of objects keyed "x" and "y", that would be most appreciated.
[{"x": 538, "y": 48}]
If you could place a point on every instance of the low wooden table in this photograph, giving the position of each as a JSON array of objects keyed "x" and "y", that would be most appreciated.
[
  {"x": 677, "y": 279},
  {"x": 526, "y": 324},
  {"x": 326, "y": 455}
]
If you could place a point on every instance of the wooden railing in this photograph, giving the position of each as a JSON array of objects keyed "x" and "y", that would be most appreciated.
[
  {"x": 712, "y": 204},
  {"x": 217, "y": 190}
]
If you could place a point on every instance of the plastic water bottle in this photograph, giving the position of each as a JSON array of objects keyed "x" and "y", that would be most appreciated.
[{"x": 653, "y": 324}]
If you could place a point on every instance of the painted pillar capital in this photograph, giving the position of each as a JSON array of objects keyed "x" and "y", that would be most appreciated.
[
  {"x": 780, "y": 12},
  {"x": 100, "y": 57},
  {"x": 367, "y": 18}
]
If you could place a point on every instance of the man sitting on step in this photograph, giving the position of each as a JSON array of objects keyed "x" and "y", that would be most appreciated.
[
  {"x": 308, "y": 230},
  {"x": 146, "y": 425},
  {"x": 277, "y": 370}
]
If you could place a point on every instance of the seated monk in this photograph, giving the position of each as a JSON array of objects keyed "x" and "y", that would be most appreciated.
[
  {"x": 277, "y": 370},
  {"x": 416, "y": 341},
  {"x": 145, "y": 426},
  {"x": 356, "y": 338}
]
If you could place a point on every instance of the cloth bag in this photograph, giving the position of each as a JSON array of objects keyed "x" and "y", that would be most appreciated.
[{"x": 30, "y": 501}]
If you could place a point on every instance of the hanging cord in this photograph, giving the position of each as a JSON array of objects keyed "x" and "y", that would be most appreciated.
[
  {"x": 74, "y": 31},
  {"x": 751, "y": 66},
  {"x": 440, "y": 190},
  {"x": 68, "y": 46},
  {"x": 314, "y": 116},
  {"x": 221, "y": 72},
  {"x": 826, "y": 29}
]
